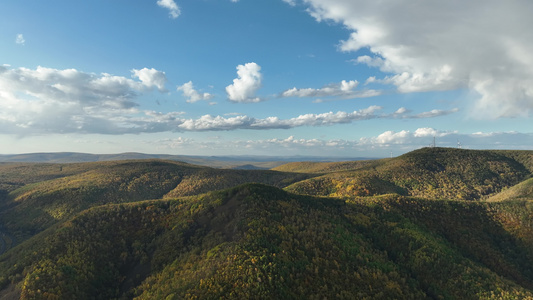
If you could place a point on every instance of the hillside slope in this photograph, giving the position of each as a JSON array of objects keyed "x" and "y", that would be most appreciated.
[
  {"x": 522, "y": 191},
  {"x": 259, "y": 241},
  {"x": 524, "y": 157},
  {"x": 433, "y": 173},
  {"x": 16, "y": 175},
  {"x": 324, "y": 167},
  {"x": 36, "y": 205}
]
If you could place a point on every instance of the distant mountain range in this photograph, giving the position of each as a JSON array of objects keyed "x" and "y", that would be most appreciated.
[{"x": 237, "y": 162}]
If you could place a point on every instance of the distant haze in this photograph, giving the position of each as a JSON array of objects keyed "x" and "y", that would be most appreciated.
[{"x": 240, "y": 162}]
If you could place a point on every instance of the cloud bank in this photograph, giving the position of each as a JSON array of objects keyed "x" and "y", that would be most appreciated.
[
  {"x": 48, "y": 100},
  {"x": 381, "y": 145},
  {"x": 444, "y": 45}
]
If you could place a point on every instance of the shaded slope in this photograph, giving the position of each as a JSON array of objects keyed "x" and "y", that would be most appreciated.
[
  {"x": 524, "y": 157},
  {"x": 434, "y": 173},
  {"x": 258, "y": 241},
  {"x": 450, "y": 245}
]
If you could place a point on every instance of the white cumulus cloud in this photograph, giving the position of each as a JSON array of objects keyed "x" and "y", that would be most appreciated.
[
  {"x": 434, "y": 113},
  {"x": 246, "y": 84},
  {"x": 151, "y": 78},
  {"x": 290, "y": 2},
  {"x": 344, "y": 89},
  {"x": 391, "y": 137},
  {"x": 174, "y": 10},
  {"x": 20, "y": 39},
  {"x": 216, "y": 123},
  {"x": 193, "y": 95},
  {"x": 420, "y": 137},
  {"x": 406, "y": 140},
  {"x": 47, "y": 100},
  {"x": 481, "y": 45},
  {"x": 426, "y": 132}
]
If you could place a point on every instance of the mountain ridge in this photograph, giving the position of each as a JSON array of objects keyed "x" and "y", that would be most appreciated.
[
  {"x": 377, "y": 229},
  {"x": 434, "y": 173},
  {"x": 235, "y": 161}
]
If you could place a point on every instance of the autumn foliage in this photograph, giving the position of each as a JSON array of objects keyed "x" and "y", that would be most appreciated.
[{"x": 166, "y": 230}]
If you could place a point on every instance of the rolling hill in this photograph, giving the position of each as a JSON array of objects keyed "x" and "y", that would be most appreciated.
[
  {"x": 261, "y": 242},
  {"x": 433, "y": 173},
  {"x": 229, "y": 162},
  {"x": 68, "y": 189},
  {"x": 395, "y": 228}
]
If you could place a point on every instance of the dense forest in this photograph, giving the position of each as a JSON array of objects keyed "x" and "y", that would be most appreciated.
[{"x": 435, "y": 223}]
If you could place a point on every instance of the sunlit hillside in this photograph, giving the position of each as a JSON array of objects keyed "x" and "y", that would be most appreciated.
[
  {"x": 433, "y": 173},
  {"x": 49, "y": 193},
  {"x": 522, "y": 191}
]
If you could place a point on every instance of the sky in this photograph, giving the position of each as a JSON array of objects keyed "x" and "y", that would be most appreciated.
[{"x": 339, "y": 78}]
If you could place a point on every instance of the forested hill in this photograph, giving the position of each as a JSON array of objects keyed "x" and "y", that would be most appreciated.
[
  {"x": 433, "y": 173},
  {"x": 256, "y": 241},
  {"x": 416, "y": 226},
  {"x": 36, "y": 196}
]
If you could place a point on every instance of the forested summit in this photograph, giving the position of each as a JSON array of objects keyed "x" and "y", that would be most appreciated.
[{"x": 432, "y": 173}]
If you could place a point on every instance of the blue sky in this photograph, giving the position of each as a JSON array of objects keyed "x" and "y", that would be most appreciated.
[{"x": 264, "y": 77}]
